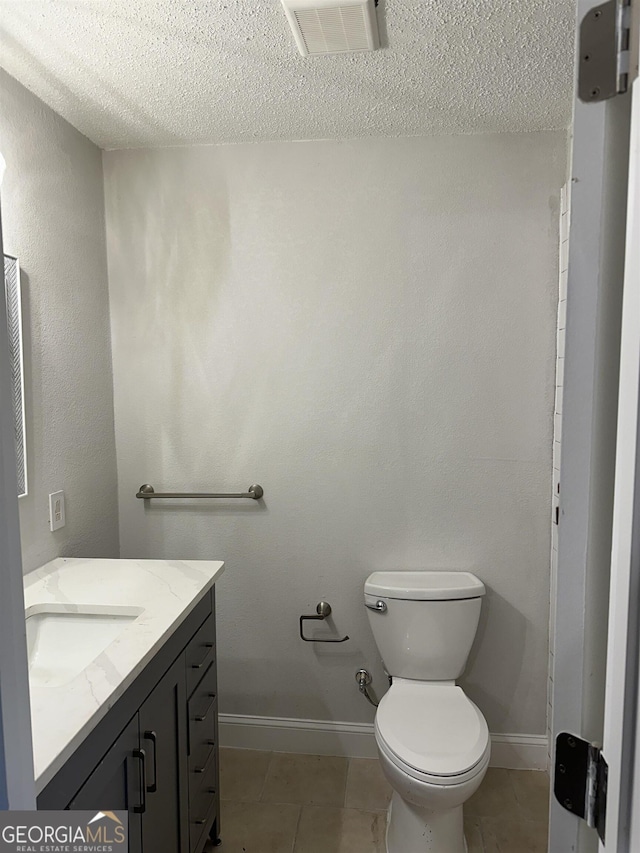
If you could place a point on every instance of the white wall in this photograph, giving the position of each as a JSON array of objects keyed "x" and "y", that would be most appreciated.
[
  {"x": 53, "y": 221},
  {"x": 366, "y": 328}
]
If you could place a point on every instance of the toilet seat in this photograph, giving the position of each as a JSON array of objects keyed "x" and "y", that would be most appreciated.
[{"x": 432, "y": 731}]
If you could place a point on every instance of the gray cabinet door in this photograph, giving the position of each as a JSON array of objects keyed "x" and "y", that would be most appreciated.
[
  {"x": 116, "y": 784},
  {"x": 163, "y": 737}
]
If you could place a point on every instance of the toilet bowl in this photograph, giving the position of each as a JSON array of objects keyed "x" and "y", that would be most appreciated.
[
  {"x": 434, "y": 749},
  {"x": 433, "y": 741}
]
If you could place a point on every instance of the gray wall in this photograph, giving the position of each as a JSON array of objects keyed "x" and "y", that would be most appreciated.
[
  {"x": 53, "y": 220},
  {"x": 365, "y": 328}
]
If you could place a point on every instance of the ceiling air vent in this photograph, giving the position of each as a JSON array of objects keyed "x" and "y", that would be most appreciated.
[{"x": 332, "y": 27}]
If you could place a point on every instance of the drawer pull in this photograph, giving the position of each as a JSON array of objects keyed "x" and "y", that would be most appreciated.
[
  {"x": 200, "y": 822},
  {"x": 208, "y": 647},
  {"x": 200, "y": 718},
  {"x": 205, "y": 766}
]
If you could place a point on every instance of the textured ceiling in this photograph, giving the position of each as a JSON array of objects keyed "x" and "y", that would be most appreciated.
[{"x": 139, "y": 73}]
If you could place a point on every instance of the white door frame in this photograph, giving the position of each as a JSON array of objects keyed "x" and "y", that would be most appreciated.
[
  {"x": 594, "y": 298},
  {"x": 17, "y": 787},
  {"x": 621, "y": 692}
]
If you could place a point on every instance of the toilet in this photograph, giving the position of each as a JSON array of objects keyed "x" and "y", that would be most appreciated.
[{"x": 433, "y": 742}]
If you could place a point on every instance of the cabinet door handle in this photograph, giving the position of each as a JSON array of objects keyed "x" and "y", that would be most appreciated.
[
  {"x": 142, "y": 757},
  {"x": 200, "y": 718},
  {"x": 205, "y": 766},
  {"x": 151, "y": 735},
  {"x": 208, "y": 647},
  {"x": 200, "y": 822}
]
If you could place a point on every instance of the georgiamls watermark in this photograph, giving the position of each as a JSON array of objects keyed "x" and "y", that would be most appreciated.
[{"x": 64, "y": 832}]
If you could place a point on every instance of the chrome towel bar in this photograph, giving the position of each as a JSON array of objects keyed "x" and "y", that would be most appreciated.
[{"x": 147, "y": 493}]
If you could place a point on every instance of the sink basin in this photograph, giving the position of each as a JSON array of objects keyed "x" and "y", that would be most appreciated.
[{"x": 61, "y": 644}]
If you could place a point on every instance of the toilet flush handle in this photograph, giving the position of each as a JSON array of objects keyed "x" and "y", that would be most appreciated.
[{"x": 380, "y": 606}]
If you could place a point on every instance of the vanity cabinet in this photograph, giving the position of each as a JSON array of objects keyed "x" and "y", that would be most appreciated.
[
  {"x": 155, "y": 753},
  {"x": 116, "y": 780},
  {"x": 163, "y": 739}
]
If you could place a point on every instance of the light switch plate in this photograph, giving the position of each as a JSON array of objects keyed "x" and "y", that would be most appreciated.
[{"x": 56, "y": 511}]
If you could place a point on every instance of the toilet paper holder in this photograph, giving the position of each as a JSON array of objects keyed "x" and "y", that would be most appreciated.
[{"x": 323, "y": 610}]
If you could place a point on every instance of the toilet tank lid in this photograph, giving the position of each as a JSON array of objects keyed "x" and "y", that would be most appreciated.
[{"x": 424, "y": 585}]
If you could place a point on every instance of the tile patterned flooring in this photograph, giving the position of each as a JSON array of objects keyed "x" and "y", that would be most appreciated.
[{"x": 277, "y": 802}]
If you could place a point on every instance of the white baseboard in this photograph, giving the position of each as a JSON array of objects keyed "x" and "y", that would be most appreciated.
[
  {"x": 284, "y": 734},
  {"x": 356, "y": 740},
  {"x": 520, "y": 752}
]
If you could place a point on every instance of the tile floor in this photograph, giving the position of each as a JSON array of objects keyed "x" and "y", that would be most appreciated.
[{"x": 277, "y": 802}]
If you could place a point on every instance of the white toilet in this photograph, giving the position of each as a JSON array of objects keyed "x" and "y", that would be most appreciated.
[{"x": 433, "y": 742}]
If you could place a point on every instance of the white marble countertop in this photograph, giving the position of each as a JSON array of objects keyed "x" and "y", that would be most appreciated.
[{"x": 165, "y": 591}]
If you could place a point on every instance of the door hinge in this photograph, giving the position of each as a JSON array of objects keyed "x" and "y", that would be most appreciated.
[
  {"x": 603, "y": 66},
  {"x": 580, "y": 780}
]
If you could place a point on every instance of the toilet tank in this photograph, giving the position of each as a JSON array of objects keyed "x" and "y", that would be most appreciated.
[{"x": 423, "y": 622}]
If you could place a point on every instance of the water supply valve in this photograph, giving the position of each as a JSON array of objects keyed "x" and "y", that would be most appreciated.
[{"x": 364, "y": 679}]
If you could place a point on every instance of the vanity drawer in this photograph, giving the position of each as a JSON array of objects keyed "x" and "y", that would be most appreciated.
[
  {"x": 202, "y": 809},
  {"x": 203, "y": 708},
  {"x": 203, "y": 749},
  {"x": 200, "y": 653}
]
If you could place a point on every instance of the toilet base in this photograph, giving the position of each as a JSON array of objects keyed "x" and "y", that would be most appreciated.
[{"x": 411, "y": 829}]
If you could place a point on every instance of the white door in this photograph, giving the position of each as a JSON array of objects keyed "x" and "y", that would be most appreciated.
[
  {"x": 621, "y": 691},
  {"x": 17, "y": 788},
  {"x": 590, "y": 647}
]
